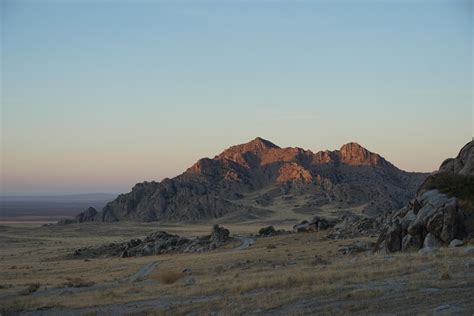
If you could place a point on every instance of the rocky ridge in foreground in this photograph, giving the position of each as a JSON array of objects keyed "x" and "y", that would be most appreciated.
[{"x": 442, "y": 213}]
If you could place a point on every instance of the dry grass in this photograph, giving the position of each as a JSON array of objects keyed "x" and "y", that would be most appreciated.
[
  {"x": 33, "y": 287},
  {"x": 167, "y": 276},
  {"x": 276, "y": 273},
  {"x": 77, "y": 282}
]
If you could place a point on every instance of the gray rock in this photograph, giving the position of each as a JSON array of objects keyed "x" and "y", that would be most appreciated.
[
  {"x": 358, "y": 246},
  {"x": 189, "y": 281},
  {"x": 455, "y": 243},
  {"x": 431, "y": 241},
  {"x": 448, "y": 309},
  {"x": 469, "y": 250},
  {"x": 410, "y": 242}
]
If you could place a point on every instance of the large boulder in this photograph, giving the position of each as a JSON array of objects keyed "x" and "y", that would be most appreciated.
[
  {"x": 220, "y": 234},
  {"x": 463, "y": 164}
]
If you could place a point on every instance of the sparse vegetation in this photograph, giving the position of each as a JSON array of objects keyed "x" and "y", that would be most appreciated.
[
  {"x": 31, "y": 288},
  {"x": 264, "y": 278},
  {"x": 77, "y": 282},
  {"x": 168, "y": 276},
  {"x": 460, "y": 186}
]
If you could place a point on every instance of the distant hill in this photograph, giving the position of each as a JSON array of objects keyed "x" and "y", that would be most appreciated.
[
  {"x": 49, "y": 208},
  {"x": 258, "y": 178}
]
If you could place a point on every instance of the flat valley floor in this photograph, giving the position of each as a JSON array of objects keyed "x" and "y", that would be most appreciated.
[{"x": 295, "y": 274}]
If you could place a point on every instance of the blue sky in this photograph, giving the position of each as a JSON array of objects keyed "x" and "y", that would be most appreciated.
[{"x": 98, "y": 95}]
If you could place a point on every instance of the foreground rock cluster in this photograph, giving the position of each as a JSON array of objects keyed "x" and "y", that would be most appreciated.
[
  {"x": 431, "y": 220},
  {"x": 435, "y": 218},
  {"x": 158, "y": 243}
]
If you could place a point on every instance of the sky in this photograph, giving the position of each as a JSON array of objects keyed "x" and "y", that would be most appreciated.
[{"x": 99, "y": 95}]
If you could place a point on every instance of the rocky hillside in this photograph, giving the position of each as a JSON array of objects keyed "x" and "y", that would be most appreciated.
[
  {"x": 256, "y": 178},
  {"x": 442, "y": 212}
]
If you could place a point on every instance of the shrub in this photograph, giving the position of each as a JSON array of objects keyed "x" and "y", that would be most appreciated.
[
  {"x": 456, "y": 185},
  {"x": 77, "y": 282},
  {"x": 168, "y": 277},
  {"x": 33, "y": 287}
]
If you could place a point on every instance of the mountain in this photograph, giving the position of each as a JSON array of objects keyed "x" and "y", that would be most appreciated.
[{"x": 259, "y": 178}]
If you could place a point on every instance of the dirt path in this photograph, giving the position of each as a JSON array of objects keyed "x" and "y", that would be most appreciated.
[
  {"x": 143, "y": 272},
  {"x": 246, "y": 242}
]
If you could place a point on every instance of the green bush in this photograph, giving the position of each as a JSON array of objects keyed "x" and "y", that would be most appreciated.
[{"x": 456, "y": 185}]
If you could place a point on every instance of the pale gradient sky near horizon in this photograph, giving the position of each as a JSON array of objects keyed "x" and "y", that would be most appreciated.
[{"x": 99, "y": 95}]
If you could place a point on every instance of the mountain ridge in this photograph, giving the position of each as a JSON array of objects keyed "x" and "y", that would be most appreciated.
[{"x": 212, "y": 188}]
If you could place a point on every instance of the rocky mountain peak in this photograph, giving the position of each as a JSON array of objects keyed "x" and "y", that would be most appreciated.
[
  {"x": 240, "y": 153},
  {"x": 257, "y": 145},
  {"x": 354, "y": 154}
]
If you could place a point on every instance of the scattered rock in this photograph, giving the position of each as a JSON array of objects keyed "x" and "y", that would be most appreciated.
[
  {"x": 219, "y": 235},
  {"x": 189, "y": 281},
  {"x": 455, "y": 243},
  {"x": 469, "y": 250},
  {"x": 315, "y": 224},
  {"x": 358, "y": 246},
  {"x": 448, "y": 309},
  {"x": 353, "y": 226},
  {"x": 271, "y": 231},
  {"x": 187, "y": 271}
]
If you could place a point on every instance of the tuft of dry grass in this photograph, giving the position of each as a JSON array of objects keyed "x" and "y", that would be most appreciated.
[
  {"x": 77, "y": 282},
  {"x": 168, "y": 276},
  {"x": 33, "y": 287}
]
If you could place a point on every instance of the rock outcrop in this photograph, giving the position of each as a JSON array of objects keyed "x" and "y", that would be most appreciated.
[
  {"x": 270, "y": 231},
  {"x": 158, "y": 243},
  {"x": 463, "y": 164},
  {"x": 315, "y": 224},
  {"x": 435, "y": 218},
  {"x": 352, "y": 226},
  {"x": 250, "y": 179}
]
